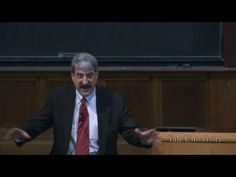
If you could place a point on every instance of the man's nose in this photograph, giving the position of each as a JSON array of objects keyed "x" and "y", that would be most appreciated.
[{"x": 84, "y": 80}]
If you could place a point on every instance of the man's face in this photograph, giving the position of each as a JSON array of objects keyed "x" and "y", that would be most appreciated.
[{"x": 85, "y": 79}]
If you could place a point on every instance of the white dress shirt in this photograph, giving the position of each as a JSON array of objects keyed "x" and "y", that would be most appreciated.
[{"x": 93, "y": 123}]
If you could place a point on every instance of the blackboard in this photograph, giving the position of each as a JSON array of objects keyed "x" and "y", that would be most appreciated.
[{"x": 113, "y": 43}]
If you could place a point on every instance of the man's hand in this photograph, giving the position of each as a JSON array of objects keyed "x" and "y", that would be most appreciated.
[
  {"x": 149, "y": 136},
  {"x": 16, "y": 133}
]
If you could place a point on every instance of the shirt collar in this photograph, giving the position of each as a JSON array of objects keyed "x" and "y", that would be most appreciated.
[{"x": 88, "y": 98}]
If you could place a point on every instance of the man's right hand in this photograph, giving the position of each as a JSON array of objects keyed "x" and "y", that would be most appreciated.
[{"x": 16, "y": 133}]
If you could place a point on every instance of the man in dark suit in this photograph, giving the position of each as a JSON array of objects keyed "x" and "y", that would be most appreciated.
[{"x": 106, "y": 112}]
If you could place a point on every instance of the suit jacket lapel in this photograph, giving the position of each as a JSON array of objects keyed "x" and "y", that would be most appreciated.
[{"x": 103, "y": 111}]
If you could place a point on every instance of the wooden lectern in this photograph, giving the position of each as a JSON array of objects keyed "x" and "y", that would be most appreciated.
[{"x": 195, "y": 143}]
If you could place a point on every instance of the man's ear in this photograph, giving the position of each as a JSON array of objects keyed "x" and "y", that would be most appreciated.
[{"x": 72, "y": 76}]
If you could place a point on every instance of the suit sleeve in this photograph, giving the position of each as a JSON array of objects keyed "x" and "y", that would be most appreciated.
[
  {"x": 128, "y": 125},
  {"x": 41, "y": 122}
]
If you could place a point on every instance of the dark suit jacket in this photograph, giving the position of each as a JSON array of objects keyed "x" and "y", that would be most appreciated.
[{"x": 113, "y": 118}]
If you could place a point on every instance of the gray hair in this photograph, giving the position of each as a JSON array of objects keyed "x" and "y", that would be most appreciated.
[{"x": 84, "y": 57}]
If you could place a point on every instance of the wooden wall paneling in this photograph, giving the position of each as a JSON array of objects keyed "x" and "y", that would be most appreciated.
[
  {"x": 57, "y": 79},
  {"x": 41, "y": 86},
  {"x": 227, "y": 102},
  {"x": 18, "y": 100},
  {"x": 31, "y": 148},
  {"x": 156, "y": 102},
  {"x": 212, "y": 102},
  {"x": 138, "y": 95},
  {"x": 184, "y": 102},
  {"x": 206, "y": 99}
]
